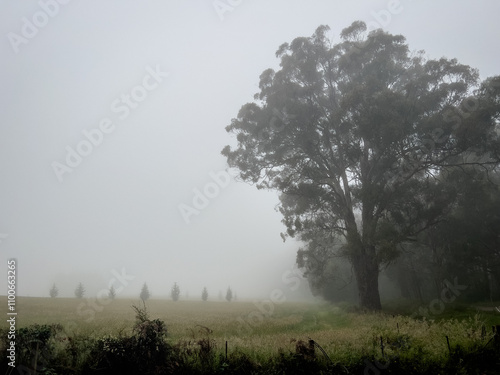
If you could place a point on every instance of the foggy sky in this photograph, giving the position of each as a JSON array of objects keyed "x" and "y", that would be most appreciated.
[{"x": 159, "y": 81}]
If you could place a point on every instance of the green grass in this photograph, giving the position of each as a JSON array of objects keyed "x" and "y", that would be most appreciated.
[
  {"x": 184, "y": 319},
  {"x": 347, "y": 337},
  {"x": 459, "y": 311},
  {"x": 226, "y": 320}
]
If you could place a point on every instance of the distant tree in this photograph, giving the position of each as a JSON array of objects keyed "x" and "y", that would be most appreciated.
[
  {"x": 229, "y": 294},
  {"x": 204, "y": 294},
  {"x": 176, "y": 292},
  {"x": 54, "y": 291},
  {"x": 112, "y": 293},
  {"x": 145, "y": 293},
  {"x": 79, "y": 291}
]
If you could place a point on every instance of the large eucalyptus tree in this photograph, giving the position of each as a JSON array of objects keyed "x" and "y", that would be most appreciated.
[{"x": 354, "y": 136}]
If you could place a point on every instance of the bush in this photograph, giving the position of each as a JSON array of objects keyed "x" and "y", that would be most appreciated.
[
  {"x": 145, "y": 352},
  {"x": 35, "y": 348}
]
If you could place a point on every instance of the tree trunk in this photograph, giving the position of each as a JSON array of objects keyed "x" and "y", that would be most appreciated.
[
  {"x": 403, "y": 282},
  {"x": 366, "y": 270},
  {"x": 415, "y": 280}
]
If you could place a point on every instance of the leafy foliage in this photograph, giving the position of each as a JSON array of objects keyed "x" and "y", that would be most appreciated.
[
  {"x": 144, "y": 352},
  {"x": 466, "y": 242},
  {"x": 364, "y": 133}
]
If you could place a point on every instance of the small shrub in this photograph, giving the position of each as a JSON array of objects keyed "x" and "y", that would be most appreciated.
[
  {"x": 145, "y": 352},
  {"x": 35, "y": 347}
]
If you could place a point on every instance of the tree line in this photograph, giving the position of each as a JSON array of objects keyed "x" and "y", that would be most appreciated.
[{"x": 145, "y": 294}]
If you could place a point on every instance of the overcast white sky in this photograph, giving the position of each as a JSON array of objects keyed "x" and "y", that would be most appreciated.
[{"x": 119, "y": 206}]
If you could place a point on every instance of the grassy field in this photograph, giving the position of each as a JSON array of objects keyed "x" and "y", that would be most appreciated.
[
  {"x": 261, "y": 332},
  {"x": 243, "y": 324}
]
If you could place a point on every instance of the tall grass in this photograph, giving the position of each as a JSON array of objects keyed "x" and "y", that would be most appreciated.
[{"x": 191, "y": 337}]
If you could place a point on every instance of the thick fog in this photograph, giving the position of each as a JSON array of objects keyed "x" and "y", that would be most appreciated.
[{"x": 113, "y": 117}]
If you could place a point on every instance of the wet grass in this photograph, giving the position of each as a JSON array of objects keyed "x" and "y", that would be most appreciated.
[{"x": 264, "y": 334}]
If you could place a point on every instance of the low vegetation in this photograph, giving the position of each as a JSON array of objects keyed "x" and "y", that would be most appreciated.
[{"x": 163, "y": 337}]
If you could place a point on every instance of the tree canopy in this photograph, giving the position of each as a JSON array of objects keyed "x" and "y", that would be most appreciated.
[
  {"x": 229, "y": 294},
  {"x": 144, "y": 295},
  {"x": 54, "y": 291},
  {"x": 357, "y": 136},
  {"x": 79, "y": 291},
  {"x": 175, "y": 292}
]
